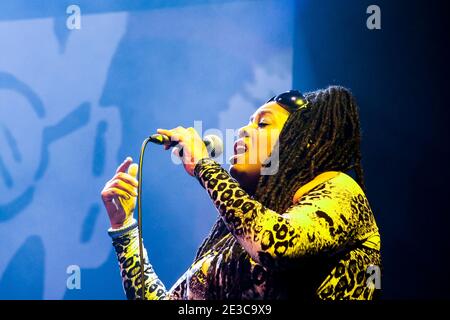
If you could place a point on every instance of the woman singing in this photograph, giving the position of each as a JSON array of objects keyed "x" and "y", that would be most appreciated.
[{"x": 304, "y": 230}]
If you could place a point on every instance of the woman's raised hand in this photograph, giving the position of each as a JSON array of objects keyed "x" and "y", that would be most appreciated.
[{"x": 119, "y": 194}]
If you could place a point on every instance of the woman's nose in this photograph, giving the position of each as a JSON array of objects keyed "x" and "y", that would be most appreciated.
[{"x": 243, "y": 132}]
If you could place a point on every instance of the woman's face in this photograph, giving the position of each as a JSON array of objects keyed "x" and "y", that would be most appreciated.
[{"x": 255, "y": 144}]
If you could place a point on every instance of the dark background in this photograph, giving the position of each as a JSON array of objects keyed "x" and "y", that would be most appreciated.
[{"x": 399, "y": 75}]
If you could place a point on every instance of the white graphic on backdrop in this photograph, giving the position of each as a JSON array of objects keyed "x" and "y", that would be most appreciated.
[{"x": 46, "y": 137}]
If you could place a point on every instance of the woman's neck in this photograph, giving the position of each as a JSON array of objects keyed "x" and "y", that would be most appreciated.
[
  {"x": 250, "y": 188},
  {"x": 248, "y": 184}
]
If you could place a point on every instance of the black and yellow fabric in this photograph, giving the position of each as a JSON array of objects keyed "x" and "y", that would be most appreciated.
[{"x": 322, "y": 247}]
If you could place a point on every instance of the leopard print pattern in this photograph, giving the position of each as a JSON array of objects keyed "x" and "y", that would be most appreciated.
[
  {"x": 350, "y": 278},
  {"x": 189, "y": 286},
  {"x": 332, "y": 221},
  {"x": 127, "y": 251}
]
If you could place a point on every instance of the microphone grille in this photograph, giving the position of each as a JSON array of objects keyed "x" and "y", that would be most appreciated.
[{"x": 214, "y": 145}]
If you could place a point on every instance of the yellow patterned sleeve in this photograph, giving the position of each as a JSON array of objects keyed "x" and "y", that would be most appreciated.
[
  {"x": 330, "y": 217},
  {"x": 126, "y": 245}
]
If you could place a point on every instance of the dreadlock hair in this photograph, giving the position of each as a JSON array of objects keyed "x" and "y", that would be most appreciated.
[{"x": 324, "y": 136}]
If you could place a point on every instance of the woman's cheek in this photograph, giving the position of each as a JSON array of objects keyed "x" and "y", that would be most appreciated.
[
  {"x": 274, "y": 135},
  {"x": 266, "y": 144}
]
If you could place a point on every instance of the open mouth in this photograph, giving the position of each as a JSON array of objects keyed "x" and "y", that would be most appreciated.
[{"x": 240, "y": 147}]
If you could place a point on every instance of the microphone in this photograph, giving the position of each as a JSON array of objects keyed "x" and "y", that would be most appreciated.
[{"x": 213, "y": 143}]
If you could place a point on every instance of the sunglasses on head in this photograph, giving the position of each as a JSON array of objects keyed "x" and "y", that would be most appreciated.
[{"x": 291, "y": 100}]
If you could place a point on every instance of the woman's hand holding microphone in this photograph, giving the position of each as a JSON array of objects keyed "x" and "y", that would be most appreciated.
[
  {"x": 190, "y": 142},
  {"x": 119, "y": 194}
]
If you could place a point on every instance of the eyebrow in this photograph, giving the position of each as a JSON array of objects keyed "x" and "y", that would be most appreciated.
[{"x": 263, "y": 112}]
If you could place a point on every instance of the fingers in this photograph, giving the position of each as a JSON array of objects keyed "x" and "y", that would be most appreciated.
[
  {"x": 164, "y": 132},
  {"x": 133, "y": 171},
  {"x": 190, "y": 144},
  {"x": 119, "y": 184},
  {"x": 123, "y": 184},
  {"x": 111, "y": 193},
  {"x": 175, "y": 134},
  {"x": 124, "y": 165},
  {"x": 171, "y": 132},
  {"x": 126, "y": 177},
  {"x": 175, "y": 137},
  {"x": 178, "y": 133},
  {"x": 121, "y": 173},
  {"x": 176, "y": 151}
]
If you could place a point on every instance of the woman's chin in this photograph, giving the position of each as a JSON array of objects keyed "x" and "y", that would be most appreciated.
[
  {"x": 237, "y": 163},
  {"x": 237, "y": 172},
  {"x": 242, "y": 171},
  {"x": 245, "y": 175}
]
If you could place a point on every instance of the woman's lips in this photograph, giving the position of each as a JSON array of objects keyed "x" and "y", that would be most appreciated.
[{"x": 240, "y": 147}]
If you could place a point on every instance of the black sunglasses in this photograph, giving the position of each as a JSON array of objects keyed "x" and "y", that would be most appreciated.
[{"x": 291, "y": 100}]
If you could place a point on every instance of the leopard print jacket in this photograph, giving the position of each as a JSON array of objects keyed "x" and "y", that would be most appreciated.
[{"x": 325, "y": 246}]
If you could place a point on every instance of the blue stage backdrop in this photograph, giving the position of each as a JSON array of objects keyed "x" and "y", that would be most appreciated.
[{"x": 75, "y": 102}]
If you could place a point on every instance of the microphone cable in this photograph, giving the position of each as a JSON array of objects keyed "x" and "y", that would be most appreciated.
[
  {"x": 139, "y": 197},
  {"x": 216, "y": 149}
]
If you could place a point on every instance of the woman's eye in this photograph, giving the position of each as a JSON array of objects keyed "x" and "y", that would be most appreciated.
[{"x": 262, "y": 124}]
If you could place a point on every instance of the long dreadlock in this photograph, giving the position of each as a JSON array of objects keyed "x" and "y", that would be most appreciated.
[{"x": 325, "y": 136}]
